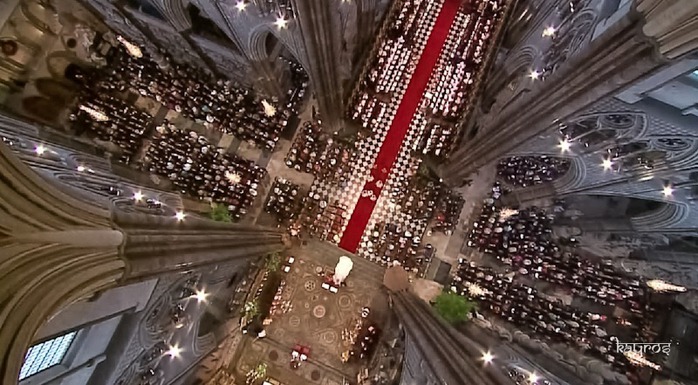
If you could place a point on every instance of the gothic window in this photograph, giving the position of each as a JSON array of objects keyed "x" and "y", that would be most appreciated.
[
  {"x": 597, "y": 137},
  {"x": 567, "y": 41},
  {"x": 568, "y": 8},
  {"x": 45, "y": 355},
  {"x": 644, "y": 160},
  {"x": 627, "y": 149},
  {"x": 673, "y": 144},
  {"x": 618, "y": 121},
  {"x": 575, "y": 130}
]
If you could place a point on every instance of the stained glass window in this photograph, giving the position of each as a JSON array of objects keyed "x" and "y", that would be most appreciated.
[{"x": 45, "y": 355}]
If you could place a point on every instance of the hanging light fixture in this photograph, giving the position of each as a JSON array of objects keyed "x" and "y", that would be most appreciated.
[
  {"x": 95, "y": 113},
  {"x": 507, "y": 213},
  {"x": 662, "y": 287},
  {"x": 269, "y": 110},
  {"x": 639, "y": 359},
  {"x": 233, "y": 177},
  {"x": 132, "y": 49},
  {"x": 475, "y": 290}
]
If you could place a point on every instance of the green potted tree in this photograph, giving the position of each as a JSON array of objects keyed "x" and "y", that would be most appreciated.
[{"x": 454, "y": 308}]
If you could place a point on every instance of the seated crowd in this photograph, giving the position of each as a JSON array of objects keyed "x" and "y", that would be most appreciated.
[
  {"x": 284, "y": 200},
  {"x": 453, "y": 83},
  {"x": 429, "y": 200},
  {"x": 386, "y": 77},
  {"x": 200, "y": 170},
  {"x": 111, "y": 120},
  {"x": 216, "y": 103},
  {"x": 362, "y": 338},
  {"x": 521, "y": 241},
  {"x": 524, "y": 171},
  {"x": 389, "y": 242},
  {"x": 316, "y": 152},
  {"x": 321, "y": 218},
  {"x": 448, "y": 212}
]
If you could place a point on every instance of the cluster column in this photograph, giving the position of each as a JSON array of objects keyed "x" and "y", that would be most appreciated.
[
  {"x": 636, "y": 45},
  {"x": 56, "y": 249},
  {"x": 319, "y": 27}
]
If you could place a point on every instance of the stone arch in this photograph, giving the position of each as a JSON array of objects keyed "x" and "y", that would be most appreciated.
[
  {"x": 521, "y": 19},
  {"x": 524, "y": 58},
  {"x": 57, "y": 62},
  {"x": 177, "y": 13},
  {"x": 680, "y": 151},
  {"x": 570, "y": 37},
  {"x": 668, "y": 216},
  {"x": 573, "y": 178},
  {"x": 61, "y": 92},
  {"x": 258, "y": 42},
  {"x": 604, "y": 129},
  {"x": 640, "y": 212},
  {"x": 512, "y": 85},
  {"x": 42, "y": 107},
  {"x": 39, "y": 21}
]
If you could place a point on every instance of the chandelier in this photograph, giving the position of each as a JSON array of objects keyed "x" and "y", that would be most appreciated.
[
  {"x": 662, "y": 287},
  {"x": 132, "y": 49},
  {"x": 475, "y": 290},
  {"x": 507, "y": 213},
  {"x": 269, "y": 110},
  {"x": 94, "y": 113},
  {"x": 639, "y": 359},
  {"x": 233, "y": 177}
]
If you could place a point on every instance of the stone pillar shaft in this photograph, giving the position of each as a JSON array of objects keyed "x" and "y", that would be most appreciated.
[
  {"x": 319, "y": 27},
  {"x": 616, "y": 59},
  {"x": 56, "y": 249}
]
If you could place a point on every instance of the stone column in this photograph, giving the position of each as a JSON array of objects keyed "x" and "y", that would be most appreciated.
[
  {"x": 635, "y": 46},
  {"x": 56, "y": 249},
  {"x": 445, "y": 355},
  {"x": 320, "y": 28}
]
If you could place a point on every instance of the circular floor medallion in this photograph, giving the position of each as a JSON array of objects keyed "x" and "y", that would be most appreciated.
[
  {"x": 273, "y": 355},
  {"x": 319, "y": 311},
  {"x": 329, "y": 337},
  {"x": 309, "y": 285},
  {"x": 344, "y": 301},
  {"x": 294, "y": 321},
  {"x": 315, "y": 375}
]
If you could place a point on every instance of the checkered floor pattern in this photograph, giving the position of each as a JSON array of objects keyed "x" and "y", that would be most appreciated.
[{"x": 367, "y": 150}]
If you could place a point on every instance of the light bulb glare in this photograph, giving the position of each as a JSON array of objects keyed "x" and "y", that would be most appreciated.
[{"x": 564, "y": 145}]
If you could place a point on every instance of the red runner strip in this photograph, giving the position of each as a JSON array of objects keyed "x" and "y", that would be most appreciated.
[{"x": 398, "y": 130}]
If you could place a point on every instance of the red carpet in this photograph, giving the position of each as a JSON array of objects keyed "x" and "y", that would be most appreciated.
[{"x": 398, "y": 130}]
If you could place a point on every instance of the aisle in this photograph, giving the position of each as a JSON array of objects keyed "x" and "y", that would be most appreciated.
[{"x": 399, "y": 127}]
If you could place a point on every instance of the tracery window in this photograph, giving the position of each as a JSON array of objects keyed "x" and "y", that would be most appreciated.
[{"x": 45, "y": 355}]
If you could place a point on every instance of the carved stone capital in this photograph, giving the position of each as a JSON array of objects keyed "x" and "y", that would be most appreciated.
[
  {"x": 673, "y": 24},
  {"x": 56, "y": 249}
]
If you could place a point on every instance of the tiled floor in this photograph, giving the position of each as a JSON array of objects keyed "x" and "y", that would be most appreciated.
[{"x": 317, "y": 318}]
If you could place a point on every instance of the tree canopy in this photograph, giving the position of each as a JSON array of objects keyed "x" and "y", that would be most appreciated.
[{"x": 453, "y": 308}]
